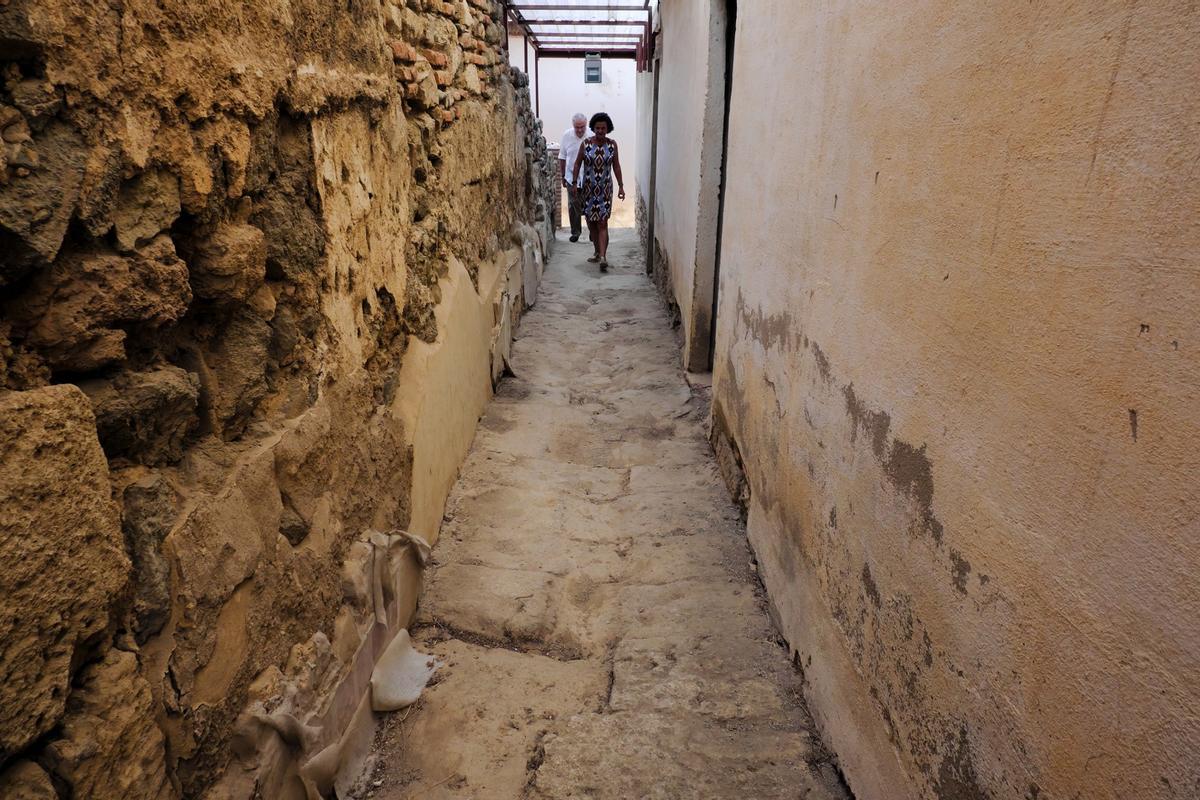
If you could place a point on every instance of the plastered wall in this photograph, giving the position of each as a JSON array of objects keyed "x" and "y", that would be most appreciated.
[
  {"x": 958, "y": 361},
  {"x": 689, "y": 134}
]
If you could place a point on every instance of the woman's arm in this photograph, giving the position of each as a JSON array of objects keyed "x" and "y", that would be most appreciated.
[
  {"x": 617, "y": 171},
  {"x": 578, "y": 161}
]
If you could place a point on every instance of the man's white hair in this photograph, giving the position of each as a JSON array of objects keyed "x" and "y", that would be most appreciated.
[{"x": 579, "y": 118}]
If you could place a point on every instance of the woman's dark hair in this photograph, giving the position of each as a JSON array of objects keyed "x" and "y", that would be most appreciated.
[{"x": 598, "y": 118}]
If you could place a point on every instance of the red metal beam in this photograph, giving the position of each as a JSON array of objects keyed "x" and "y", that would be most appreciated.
[
  {"x": 600, "y": 50},
  {"x": 567, "y": 22},
  {"x": 521, "y": 21},
  {"x": 560, "y": 7},
  {"x": 609, "y": 54},
  {"x": 589, "y": 35},
  {"x": 592, "y": 43}
]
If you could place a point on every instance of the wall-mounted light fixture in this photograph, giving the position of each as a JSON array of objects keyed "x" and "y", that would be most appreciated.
[{"x": 591, "y": 68}]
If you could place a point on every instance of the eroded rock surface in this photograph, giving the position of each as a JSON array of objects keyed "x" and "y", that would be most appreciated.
[
  {"x": 60, "y": 544},
  {"x": 25, "y": 780},
  {"x": 150, "y": 507},
  {"x": 145, "y": 416},
  {"x": 76, "y": 314},
  {"x": 110, "y": 745},
  {"x": 226, "y": 226}
]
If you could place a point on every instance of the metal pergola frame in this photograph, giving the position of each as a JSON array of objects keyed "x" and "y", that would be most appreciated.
[{"x": 580, "y": 39}]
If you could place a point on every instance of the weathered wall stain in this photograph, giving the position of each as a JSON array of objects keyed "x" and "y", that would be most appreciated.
[
  {"x": 909, "y": 470},
  {"x": 769, "y": 330},
  {"x": 875, "y": 424},
  {"x": 870, "y": 587},
  {"x": 956, "y": 778}
]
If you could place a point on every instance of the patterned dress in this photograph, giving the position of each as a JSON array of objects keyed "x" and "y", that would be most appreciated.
[{"x": 597, "y": 187}]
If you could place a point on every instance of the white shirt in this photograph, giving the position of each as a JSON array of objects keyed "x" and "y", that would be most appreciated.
[{"x": 569, "y": 150}]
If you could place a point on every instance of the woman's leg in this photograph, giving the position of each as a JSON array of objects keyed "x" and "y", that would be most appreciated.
[
  {"x": 594, "y": 236},
  {"x": 602, "y": 239}
]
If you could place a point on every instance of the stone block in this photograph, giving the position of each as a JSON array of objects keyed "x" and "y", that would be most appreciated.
[
  {"x": 235, "y": 380},
  {"x": 470, "y": 76},
  {"x": 435, "y": 57},
  {"x": 62, "y": 551},
  {"x": 148, "y": 513},
  {"x": 111, "y": 746},
  {"x": 76, "y": 313},
  {"x": 146, "y": 206},
  {"x": 36, "y": 98},
  {"x": 38, "y": 192},
  {"x": 145, "y": 416},
  {"x": 423, "y": 90},
  {"x": 25, "y": 780},
  {"x": 229, "y": 265},
  {"x": 403, "y": 51}
]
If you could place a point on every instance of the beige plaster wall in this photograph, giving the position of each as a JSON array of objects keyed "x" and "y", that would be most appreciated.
[
  {"x": 689, "y": 116},
  {"x": 958, "y": 357},
  {"x": 644, "y": 90}
]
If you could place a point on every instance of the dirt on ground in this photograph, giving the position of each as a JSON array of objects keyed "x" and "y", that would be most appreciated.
[{"x": 594, "y": 606}]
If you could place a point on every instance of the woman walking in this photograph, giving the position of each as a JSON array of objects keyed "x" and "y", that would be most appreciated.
[{"x": 599, "y": 159}]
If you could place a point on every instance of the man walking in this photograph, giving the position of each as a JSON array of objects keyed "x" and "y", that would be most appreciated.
[{"x": 572, "y": 138}]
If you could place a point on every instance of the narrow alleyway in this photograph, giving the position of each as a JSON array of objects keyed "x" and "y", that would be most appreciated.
[{"x": 598, "y": 620}]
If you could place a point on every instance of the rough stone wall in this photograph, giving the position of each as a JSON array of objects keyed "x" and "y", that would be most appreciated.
[
  {"x": 552, "y": 181},
  {"x": 221, "y": 228},
  {"x": 957, "y": 358}
]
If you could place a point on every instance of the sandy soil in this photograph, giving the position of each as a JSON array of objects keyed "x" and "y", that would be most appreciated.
[{"x": 594, "y": 604}]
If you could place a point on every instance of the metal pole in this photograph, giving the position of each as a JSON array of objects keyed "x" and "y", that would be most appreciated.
[
  {"x": 525, "y": 39},
  {"x": 537, "y": 83}
]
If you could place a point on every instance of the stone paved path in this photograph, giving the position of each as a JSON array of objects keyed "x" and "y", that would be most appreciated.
[{"x": 594, "y": 604}]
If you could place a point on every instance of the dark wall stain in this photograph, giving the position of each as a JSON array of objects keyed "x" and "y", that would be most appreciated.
[
  {"x": 875, "y": 424},
  {"x": 962, "y": 568},
  {"x": 869, "y": 585},
  {"x": 956, "y": 778},
  {"x": 729, "y": 458},
  {"x": 910, "y": 471},
  {"x": 660, "y": 274},
  {"x": 822, "y": 362},
  {"x": 769, "y": 330},
  {"x": 888, "y": 642}
]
